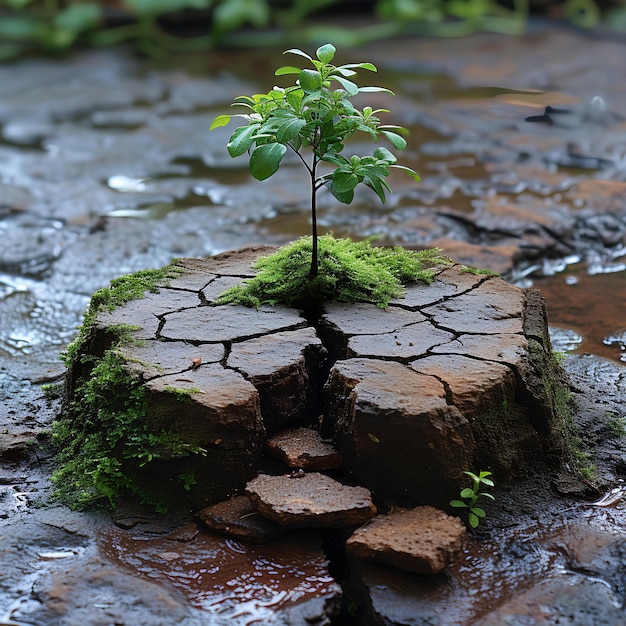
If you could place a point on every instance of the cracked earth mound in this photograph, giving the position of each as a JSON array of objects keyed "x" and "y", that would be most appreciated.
[{"x": 456, "y": 375}]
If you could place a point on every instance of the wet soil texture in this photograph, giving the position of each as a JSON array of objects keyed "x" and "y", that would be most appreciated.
[{"x": 107, "y": 166}]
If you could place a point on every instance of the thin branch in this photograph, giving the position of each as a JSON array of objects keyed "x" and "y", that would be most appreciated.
[{"x": 301, "y": 158}]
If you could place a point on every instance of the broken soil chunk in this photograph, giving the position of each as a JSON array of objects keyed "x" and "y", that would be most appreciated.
[
  {"x": 238, "y": 517},
  {"x": 284, "y": 368},
  {"x": 423, "y": 540},
  {"x": 304, "y": 448},
  {"x": 310, "y": 501}
]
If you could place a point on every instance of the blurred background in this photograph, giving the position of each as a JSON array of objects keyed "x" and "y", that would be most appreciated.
[{"x": 159, "y": 27}]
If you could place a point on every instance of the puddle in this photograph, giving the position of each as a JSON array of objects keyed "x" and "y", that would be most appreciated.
[
  {"x": 515, "y": 569},
  {"x": 591, "y": 309},
  {"x": 246, "y": 583}
]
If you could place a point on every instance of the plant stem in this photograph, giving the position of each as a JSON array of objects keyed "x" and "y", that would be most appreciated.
[{"x": 314, "y": 263}]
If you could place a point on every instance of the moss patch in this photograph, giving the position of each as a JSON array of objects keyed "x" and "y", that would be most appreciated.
[
  {"x": 478, "y": 272},
  {"x": 348, "y": 272},
  {"x": 121, "y": 291},
  {"x": 104, "y": 447}
]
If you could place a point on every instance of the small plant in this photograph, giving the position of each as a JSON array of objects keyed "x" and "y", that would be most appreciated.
[
  {"x": 471, "y": 494},
  {"x": 616, "y": 424},
  {"x": 314, "y": 121}
]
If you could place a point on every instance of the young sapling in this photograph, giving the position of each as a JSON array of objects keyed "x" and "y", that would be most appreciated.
[
  {"x": 314, "y": 118},
  {"x": 471, "y": 494}
]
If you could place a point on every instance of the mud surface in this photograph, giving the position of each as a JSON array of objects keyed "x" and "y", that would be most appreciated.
[{"x": 106, "y": 167}]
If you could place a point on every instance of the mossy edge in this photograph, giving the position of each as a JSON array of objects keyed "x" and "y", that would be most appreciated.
[{"x": 97, "y": 464}]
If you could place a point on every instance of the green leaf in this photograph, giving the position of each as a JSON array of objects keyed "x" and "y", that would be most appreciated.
[
  {"x": 468, "y": 9},
  {"x": 287, "y": 69},
  {"x": 378, "y": 186},
  {"x": 298, "y": 52},
  {"x": 16, "y": 4},
  {"x": 78, "y": 18},
  {"x": 241, "y": 140},
  {"x": 369, "y": 130},
  {"x": 458, "y": 504},
  {"x": 265, "y": 160},
  {"x": 342, "y": 71},
  {"x": 396, "y": 140},
  {"x": 467, "y": 493},
  {"x": 364, "y": 66},
  {"x": 478, "y": 511},
  {"x": 473, "y": 520},
  {"x": 337, "y": 159},
  {"x": 287, "y": 127},
  {"x": 294, "y": 99},
  {"x": 345, "y": 197},
  {"x": 16, "y": 28},
  {"x": 344, "y": 181},
  {"x": 310, "y": 81},
  {"x": 232, "y": 14},
  {"x": 375, "y": 90},
  {"x": 156, "y": 7},
  {"x": 414, "y": 175},
  {"x": 245, "y": 100},
  {"x": 488, "y": 495},
  {"x": 385, "y": 155},
  {"x": 326, "y": 53},
  {"x": 350, "y": 87},
  {"x": 220, "y": 120}
]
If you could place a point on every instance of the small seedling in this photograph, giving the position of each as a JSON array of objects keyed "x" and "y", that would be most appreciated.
[
  {"x": 471, "y": 494},
  {"x": 314, "y": 121}
]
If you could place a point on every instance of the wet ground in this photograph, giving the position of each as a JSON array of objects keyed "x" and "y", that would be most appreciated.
[{"x": 107, "y": 166}]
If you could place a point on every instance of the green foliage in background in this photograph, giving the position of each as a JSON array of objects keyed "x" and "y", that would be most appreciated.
[{"x": 53, "y": 26}]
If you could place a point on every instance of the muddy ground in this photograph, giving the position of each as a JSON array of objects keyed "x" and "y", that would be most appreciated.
[{"x": 106, "y": 167}]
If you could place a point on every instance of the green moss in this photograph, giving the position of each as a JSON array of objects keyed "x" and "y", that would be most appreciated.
[
  {"x": 348, "y": 272},
  {"x": 102, "y": 440},
  {"x": 564, "y": 410},
  {"x": 52, "y": 391},
  {"x": 616, "y": 424},
  {"x": 121, "y": 291},
  {"x": 183, "y": 395},
  {"x": 478, "y": 272},
  {"x": 588, "y": 472}
]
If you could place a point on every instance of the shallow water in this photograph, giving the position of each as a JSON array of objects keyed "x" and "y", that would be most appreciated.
[
  {"x": 587, "y": 311},
  {"x": 228, "y": 579}
]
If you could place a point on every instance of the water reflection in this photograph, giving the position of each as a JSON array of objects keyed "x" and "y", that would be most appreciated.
[
  {"x": 230, "y": 579},
  {"x": 587, "y": 310}
]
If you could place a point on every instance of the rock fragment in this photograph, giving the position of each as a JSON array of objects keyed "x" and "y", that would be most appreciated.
[
  {"x": 303, "y": 448},
  {"x": 207, "y": 324},
  {"x": 310, "y": 501},
  {"x": 285, "y": 368},
  {"x": 397, "y": 431},
  {"x": 423, "y": 540},
  {"x": 239, "y": 518},
  {"x": 494, "y": 306}
]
